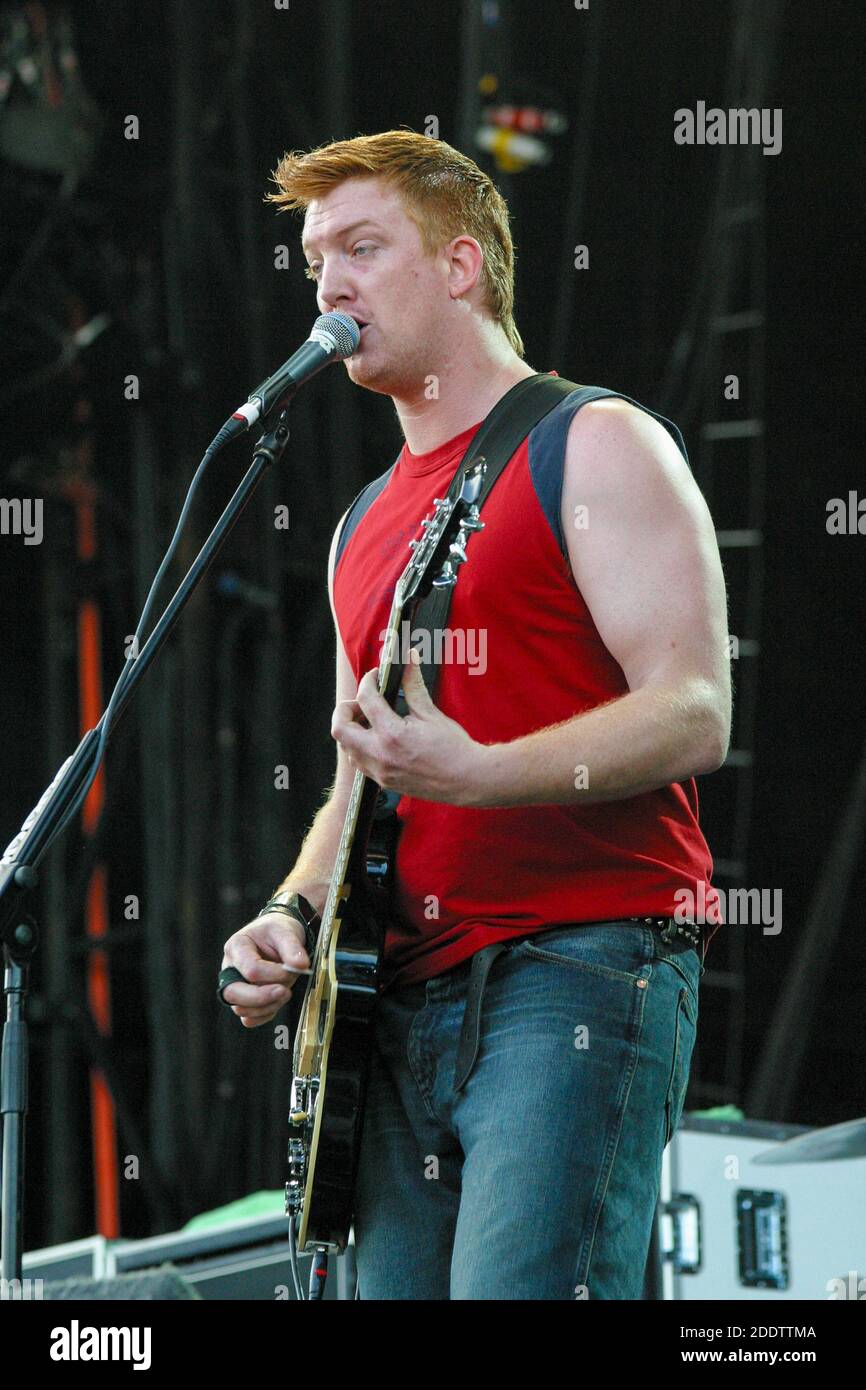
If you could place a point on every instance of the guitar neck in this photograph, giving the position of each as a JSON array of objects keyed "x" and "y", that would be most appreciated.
[
  {"x": 435, "y": 561},
  {"x": 362, "y": 800}
]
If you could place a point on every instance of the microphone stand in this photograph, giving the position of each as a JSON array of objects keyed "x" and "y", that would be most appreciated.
[{"x": 18, "y": 877}]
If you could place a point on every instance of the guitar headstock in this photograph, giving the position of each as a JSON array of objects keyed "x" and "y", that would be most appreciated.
[{"x": 441, "y": 551}]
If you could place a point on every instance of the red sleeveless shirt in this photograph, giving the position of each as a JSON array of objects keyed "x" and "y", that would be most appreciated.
[{"x": 524, "y": 654}]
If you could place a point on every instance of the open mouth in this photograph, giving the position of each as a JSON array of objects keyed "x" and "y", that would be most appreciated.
[{"x": 362, "y": 327}]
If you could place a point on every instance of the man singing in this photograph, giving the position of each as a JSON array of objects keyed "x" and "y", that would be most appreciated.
[{"x": 512, "y": 1144}]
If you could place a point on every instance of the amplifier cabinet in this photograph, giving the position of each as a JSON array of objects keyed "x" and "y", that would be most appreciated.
[{"x": 729, "y": 1228}]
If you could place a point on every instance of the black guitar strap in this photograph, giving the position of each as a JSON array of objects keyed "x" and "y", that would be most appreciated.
[{"x": 503, "y": 430}]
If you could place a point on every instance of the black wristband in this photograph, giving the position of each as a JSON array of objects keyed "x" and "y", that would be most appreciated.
[{"x": 302, "y": 911}]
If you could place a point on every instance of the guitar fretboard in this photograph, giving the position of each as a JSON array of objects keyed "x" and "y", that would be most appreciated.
[{"x": 350, "y": 824}]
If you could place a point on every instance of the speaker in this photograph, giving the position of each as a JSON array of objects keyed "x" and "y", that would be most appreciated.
[
  {"x": 163, "y": 1283},
  {"x": 733, "y": 1229}
]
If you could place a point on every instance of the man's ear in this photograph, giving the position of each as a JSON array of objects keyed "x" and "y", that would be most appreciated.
[{"x": 467, "y": 262}]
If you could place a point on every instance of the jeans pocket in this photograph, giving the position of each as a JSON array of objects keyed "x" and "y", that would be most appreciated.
[
  {"x": 610, "y": 949},
  {"x": 685, "y": 1030},
  {"x": 687, "y": 965}
]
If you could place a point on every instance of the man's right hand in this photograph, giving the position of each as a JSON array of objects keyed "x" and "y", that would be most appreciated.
[{"x": 268, "y": 952}]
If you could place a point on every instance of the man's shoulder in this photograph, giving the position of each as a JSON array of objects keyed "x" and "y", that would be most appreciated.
[
  {"x": 616, "y": 427},
  {"x": 619, "y": 410},
  {"x": 622, "y": 460}
]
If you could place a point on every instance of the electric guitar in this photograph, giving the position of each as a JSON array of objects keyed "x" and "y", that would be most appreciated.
[{"x": 333, "y": 1039}]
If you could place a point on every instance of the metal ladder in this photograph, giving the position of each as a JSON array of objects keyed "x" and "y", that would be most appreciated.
[
  {"x": 730, "y": 467},
  {"x": 724, "y": 336}
]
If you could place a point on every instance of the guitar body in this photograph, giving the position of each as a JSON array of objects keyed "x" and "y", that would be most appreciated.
[
  {"x": 333, "y": 1043},
  {"x": 339, "y": 1034},
  {"x": 348, "y": 1008}
]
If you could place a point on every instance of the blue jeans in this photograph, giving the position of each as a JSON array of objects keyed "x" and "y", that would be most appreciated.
[{"x": 539, "y": 1178}]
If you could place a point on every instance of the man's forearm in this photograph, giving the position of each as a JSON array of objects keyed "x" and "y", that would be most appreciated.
[
  {"x": 311, "y": 874},
  {"x": 638, "y": 742}
]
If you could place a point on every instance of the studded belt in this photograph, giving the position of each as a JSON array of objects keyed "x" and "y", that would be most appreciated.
[{"x": 692, "y": 932}]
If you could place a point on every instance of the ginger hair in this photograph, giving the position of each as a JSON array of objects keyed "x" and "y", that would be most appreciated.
[{"x": 443, "y": 191}]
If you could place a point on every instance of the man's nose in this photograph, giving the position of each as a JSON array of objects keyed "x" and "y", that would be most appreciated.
[{"x": 334, "y": 289}]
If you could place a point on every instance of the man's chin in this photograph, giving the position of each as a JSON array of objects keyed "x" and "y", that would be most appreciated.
[{"x": 363, "y": 372}]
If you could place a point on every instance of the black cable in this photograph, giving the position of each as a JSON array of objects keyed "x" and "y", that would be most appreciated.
[
  {"x": 107, "y": 719},
  {"x": 293, "y": 1261},
  {"x": 318, "y": 1276}
]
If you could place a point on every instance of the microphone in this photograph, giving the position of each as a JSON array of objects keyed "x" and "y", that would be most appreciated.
[{"x": 334, "y": 336}]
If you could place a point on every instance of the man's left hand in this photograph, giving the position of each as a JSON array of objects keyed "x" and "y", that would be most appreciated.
[{"x": 422, "y": 754}]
